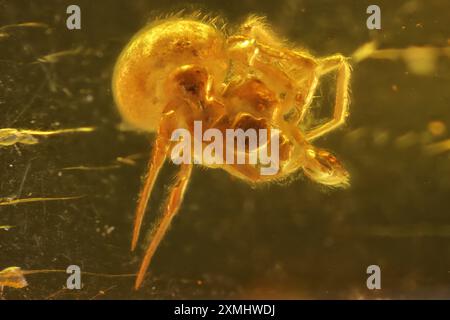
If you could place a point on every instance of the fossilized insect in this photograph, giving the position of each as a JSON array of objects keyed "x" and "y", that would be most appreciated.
[{"x": 182, "y": 70}]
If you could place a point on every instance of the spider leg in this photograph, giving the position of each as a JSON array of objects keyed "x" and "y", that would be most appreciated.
[
  {"x": 318, "y": 164},
  {"x": 326, "y": 65},
  {"x": 274, "y": 54},
  {"x": 154, "y": 166},
  {"x": 155, "y": 163},
  {"x": 173, "y": 204},
  {"x": 276, "y": 62}
]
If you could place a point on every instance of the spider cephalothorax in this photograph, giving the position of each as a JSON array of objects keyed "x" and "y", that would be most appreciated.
[{"x": 183, "y": 70}]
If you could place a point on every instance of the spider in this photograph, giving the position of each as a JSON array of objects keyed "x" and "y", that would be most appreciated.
[{"x": 184, "y": 69}]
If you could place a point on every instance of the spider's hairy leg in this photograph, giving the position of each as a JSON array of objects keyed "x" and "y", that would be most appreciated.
[
  {"x": 294, "y": 69},
  {"x": 323, "y": 167},
  {"x": 173, "y": 204},
  {"x": 157, "y": 159},
  {"x": 326, "y": 65},
  {"x": 271, "y": 52},
  {"x": 318, "y": 164}
]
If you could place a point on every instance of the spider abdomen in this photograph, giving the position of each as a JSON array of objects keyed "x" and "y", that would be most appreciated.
[{"x": 152, "y": 55}]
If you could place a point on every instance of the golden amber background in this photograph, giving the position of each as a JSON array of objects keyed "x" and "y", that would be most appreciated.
[{"x": 299, "y": 240}]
